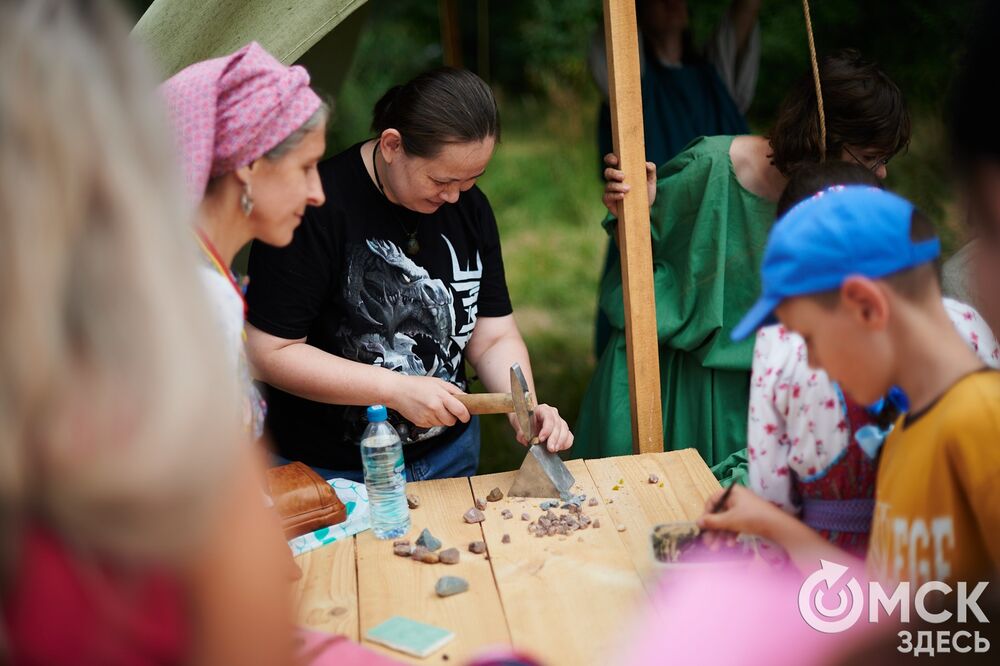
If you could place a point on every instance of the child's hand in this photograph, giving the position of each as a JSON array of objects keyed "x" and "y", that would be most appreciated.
[{"x": 743, "y": 512}]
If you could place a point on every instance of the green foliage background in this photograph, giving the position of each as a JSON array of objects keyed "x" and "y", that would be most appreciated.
[{"x": 542, "y": 182}]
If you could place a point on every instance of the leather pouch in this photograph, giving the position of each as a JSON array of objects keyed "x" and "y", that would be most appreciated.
[{"x": 303, "y": 499}]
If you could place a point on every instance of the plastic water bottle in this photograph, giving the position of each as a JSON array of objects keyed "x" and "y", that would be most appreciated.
[{"x": 382, "y": 458}]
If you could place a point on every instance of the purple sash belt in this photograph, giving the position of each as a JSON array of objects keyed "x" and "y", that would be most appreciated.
[{"x": 846, "y": 515}]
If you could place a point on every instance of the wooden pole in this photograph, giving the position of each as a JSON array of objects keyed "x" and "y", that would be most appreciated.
[
  {"x": 634, "y": 241},
  {"x": 451, "y": 42}
]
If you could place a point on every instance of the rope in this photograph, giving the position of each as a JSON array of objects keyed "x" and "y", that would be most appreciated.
[{"x": 819, "y": 91}]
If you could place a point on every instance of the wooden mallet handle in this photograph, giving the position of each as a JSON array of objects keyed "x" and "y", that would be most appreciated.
[{"x": 487, "y": 403}]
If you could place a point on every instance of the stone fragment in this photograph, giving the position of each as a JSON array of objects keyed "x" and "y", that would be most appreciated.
[
  {"x": 596, "y": 523},
  {"x": 620, "y": 527},
  {"x": 428, "y": 540},
  {"x": 477, "y": 547},
  {"x": 474, "y": 515},
  {"x": 449, "y": 556},
  {"x": 421, "y": 554},
  {"x": 505, "y": 538},
  {"x": 525, "y": 517},
  {"x": 592, "y": 502},
  {"x": 403, "y": 550},
  {"x": 412, "y": 501},
  {"x": 506, "y": 514},
  {"x": 449, "y": 585},
  {"x": 401, "y": 542},
  {"x": 480, "y": 503},
  {"x": 495, "y": 495},
  {"x": 548, "y": 504},
  {"x": 653, "y": 478}
]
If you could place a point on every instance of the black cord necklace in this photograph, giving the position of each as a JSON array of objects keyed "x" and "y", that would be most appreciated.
[{"x": 412, "y": 245}]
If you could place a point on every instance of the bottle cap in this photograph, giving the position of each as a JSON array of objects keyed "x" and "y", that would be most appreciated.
[{"x": 376, "y": 413}]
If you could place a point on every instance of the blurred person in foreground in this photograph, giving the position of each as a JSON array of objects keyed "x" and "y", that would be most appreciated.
[{"x": 122, "y": 480}]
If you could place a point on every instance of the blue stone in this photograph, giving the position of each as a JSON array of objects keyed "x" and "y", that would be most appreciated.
[
  {"x": 449, "y": 585},
  {"x": 428, "y": 540}
]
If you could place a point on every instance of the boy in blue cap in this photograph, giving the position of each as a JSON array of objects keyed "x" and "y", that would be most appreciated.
[{"x": 852, "y": 271}]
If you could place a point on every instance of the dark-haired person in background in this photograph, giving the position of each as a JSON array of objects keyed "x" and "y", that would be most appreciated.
[
  {"x": 685, "y": 93},
  {"x": 389, "y": 288},
  {"x": 974, "y": 271},
  {"x": 712, "y": 208}
]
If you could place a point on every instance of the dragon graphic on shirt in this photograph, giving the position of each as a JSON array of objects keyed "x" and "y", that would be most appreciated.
[
  {"x": 401, "y": 319},
  {"x": 409, "y": 313}
]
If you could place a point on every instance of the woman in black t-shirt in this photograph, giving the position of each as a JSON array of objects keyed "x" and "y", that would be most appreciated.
[{"x": 389, "y": 288}]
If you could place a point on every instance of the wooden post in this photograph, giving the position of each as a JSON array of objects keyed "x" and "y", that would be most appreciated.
[
  {"x": 634, "y": 242},
  {"x": 451, "y": 41}
]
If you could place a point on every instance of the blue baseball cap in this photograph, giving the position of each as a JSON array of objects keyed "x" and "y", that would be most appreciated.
[{"x": 839, "y": 232}]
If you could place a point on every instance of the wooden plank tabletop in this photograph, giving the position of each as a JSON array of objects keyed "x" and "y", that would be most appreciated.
[
  {"x": 564, "y": 599},
  {"x": 389, "y": 585},
  {"x": 550, "y": 585},
  {"x": 684, "y": 484}
]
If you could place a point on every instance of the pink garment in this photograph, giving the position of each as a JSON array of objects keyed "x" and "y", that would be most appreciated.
[
  {"x": 229, "y": 111},
  {"x": 731, "y": 615}
]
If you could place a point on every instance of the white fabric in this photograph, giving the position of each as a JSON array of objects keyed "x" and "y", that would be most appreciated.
[
  {"x": 737, "y": 69},
  {"x": 796, "y": 421},
  {"x": 228, "y": 309}
]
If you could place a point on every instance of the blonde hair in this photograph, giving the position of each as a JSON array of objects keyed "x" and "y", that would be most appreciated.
[{"x": 118, "y": 416}]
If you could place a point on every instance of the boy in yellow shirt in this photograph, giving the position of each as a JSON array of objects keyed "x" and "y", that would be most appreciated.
[{"x": 852, "y": 271}]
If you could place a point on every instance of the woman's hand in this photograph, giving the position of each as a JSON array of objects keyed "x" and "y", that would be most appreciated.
[
  {"x": 426, "y": 401},
  {"x": 615, "y": 186},
  {"x": 552, "y": 429}
]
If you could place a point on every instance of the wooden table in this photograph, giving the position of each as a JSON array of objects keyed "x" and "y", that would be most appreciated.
[{"x": 564, "y": 600}]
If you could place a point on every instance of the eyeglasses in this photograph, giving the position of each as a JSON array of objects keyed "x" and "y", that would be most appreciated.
[{"x": 881, "y": 162}]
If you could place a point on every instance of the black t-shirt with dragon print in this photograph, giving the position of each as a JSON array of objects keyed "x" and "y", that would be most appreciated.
[{"x": 346, "y": 286}]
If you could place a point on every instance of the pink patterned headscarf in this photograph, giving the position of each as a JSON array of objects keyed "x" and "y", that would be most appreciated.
[{"x": 229, "y": 111}]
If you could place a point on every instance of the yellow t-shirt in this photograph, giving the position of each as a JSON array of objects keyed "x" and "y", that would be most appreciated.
[{"x": 937, "y": 493}]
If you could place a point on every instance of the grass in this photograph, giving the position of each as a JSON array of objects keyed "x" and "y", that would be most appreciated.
[{"x": 544, "y": 188}]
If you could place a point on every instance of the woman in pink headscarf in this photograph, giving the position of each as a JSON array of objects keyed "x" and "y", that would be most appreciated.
[{"x": 250, "y": 132}]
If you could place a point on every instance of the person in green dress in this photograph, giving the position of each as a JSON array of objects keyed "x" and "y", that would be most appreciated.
[
  {"x": 687, "y": 92},
  {"x": 711, "y": 209}
]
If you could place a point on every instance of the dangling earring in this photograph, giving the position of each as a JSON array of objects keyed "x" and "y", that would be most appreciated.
[{"x": 246, "y": 202}]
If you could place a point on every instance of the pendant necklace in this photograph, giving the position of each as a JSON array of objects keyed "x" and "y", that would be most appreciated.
[{"x": 412, "y": 245}]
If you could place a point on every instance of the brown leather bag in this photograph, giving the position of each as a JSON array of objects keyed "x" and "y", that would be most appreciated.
[{"x": 303, "y": 499}]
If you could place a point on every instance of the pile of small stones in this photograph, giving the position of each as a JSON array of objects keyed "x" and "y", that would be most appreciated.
[{"x": 551, "y": 524}]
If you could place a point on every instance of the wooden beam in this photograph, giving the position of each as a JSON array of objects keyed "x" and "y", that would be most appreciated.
[
  {"x": 634, "y": 242},
  {"x": 451, "y": 41}
]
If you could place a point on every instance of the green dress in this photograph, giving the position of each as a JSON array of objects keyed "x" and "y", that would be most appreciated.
[{"x": 708, "y": 237}]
